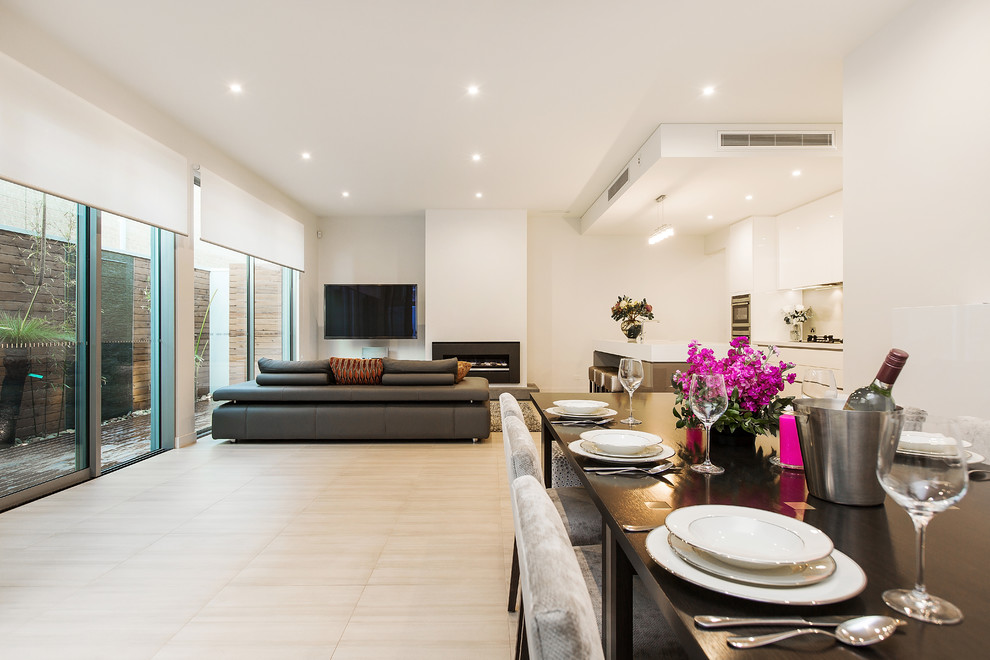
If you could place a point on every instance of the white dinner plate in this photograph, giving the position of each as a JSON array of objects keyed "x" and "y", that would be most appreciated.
[
  {"x": 847, "y": 581},
  {"x": 601, "y": 414},
  {"x": 972, "y": 457},
  {"x": 665, "y": 452},
  {"x": 749, "y": 538},
  {"x": 646, "y": 452},
  {"x": 793, "y": 575}
]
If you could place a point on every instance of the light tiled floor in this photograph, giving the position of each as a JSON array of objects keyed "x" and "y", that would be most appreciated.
[{"x": 274, "y": 551}]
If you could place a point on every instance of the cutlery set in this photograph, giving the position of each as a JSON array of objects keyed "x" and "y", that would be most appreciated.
[{"x": 854, "y": 631}]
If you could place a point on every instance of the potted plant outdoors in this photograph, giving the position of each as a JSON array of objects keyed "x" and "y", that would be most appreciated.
[
  {"x": 795, "y": 316},
  {"x": 752, "y": 381},
  {"x": 631, "y": 314},
  {"x": 18, "y": 330}
]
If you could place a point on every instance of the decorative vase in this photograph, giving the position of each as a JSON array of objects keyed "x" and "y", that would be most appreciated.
[
  {"x": 735, "y": 439},
  {"x": 797, "y": 332},
  {"x": 633, "y": 330}
]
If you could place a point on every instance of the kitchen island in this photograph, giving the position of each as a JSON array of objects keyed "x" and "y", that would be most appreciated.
[{"x": 661, "y": 358}]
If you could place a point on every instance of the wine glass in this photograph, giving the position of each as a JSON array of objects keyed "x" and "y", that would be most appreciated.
[
  {"x": 708, "y": 401},
  {"x": 819, "y": 384},
  {"x": 925, "y": 472},
  {"x": 630, "y": 375}
]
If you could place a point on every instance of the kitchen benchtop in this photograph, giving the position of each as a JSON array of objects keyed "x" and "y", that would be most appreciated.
[
  {"x": 655, "y": 350},
  {"x": 800, "y": 344}
]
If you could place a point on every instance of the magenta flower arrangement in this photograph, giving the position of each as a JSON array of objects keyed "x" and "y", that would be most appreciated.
[{"x": 754, "y": 385}]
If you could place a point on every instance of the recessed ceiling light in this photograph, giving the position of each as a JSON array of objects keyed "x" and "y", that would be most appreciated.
[
  {"x": 478, "y": 195},
  {"x": 476, "y": 157},
  {"x": 796, "y": 173},
  {"x": 473, "y": 90},
  {"x": 708, "y": 91},
  {"x": 236, "y": 88},
  {"x": 306, "y": 155},
  {"x": 345, "y": 194},
  {"x": 749, "y": 197},
  {"x": 711, "y": 217}
]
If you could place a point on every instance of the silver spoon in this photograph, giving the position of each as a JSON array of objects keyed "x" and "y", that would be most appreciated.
[{"x": 861, "y": 631}]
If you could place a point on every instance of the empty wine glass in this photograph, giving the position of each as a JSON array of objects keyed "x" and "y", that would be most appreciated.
[
  {"x": 925, "y": 472},
  {"x": 708, "y": 400},
  {"x": 819, "y": 384},
  {"x": 630, "y": 375}
]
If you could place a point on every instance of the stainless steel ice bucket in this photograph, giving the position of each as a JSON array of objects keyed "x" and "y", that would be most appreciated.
[{"x": 839, "y": 449}]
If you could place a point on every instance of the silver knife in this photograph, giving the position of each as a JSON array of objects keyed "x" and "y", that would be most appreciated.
[{"x": 708, "y": 621}]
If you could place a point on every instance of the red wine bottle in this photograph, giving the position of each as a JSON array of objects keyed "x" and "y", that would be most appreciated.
[{"x": 876, "y": 396}]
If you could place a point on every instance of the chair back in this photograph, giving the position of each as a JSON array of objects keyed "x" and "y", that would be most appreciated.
[
  {"x": 559, "y": 616},
  {"x": 520, "y": 450},
  {"x": 509, "y": 407}
]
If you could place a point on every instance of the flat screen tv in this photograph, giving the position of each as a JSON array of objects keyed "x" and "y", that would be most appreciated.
[{"x": 369, "y": 311}]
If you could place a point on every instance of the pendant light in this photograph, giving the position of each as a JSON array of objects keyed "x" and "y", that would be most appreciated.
[{"x": 663, "y": 230}]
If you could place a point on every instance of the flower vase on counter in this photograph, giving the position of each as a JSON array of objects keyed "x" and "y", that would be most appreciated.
[
  {"x": 633, "y": 330},
  {"x": 630, "y": 314},
  {"x": 797, "y": 331}
]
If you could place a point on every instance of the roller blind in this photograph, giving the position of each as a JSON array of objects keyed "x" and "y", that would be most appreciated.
[
  {"x": 56, "y": 142},
  {"x": 233, "y": 218}
]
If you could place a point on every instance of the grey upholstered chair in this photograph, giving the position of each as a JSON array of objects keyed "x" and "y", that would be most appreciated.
[
  {"x": 556, "y": 618},
  {"x": 561, "y": 474},
  {"x": 580, "y": 515}
]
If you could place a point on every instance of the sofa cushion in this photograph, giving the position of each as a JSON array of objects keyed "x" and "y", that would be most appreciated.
[
  {"x": 356, "y": 371},
  {"x": 393, "y": 366},
  {"x": 270, "y": 366},
  {"x": 269, "y": 379},
  {"x": 462, "y": 370},
  {"x": 417, "y": 379}
]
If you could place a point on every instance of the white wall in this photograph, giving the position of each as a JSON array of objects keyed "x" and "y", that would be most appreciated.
[
  {"x": 383, "y": 250},
  {"x": 37, "y": 50},
  {"x": 917, "y": 162},
  {"x": 476, "y": 274},
  {"x": 574, "y": 280}
]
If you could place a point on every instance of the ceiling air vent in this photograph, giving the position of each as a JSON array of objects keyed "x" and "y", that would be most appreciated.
[
  {"x": 776, "y": 140},
  {"x": 621, "y": 181}
]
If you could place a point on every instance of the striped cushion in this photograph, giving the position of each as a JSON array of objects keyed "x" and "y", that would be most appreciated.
[{"x": 357, "y": 371}]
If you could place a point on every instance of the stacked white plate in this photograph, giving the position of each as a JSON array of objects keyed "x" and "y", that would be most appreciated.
[
  {"x": 754, "y": 554},
  {"x": 581, "y": 409},
  {"x": 621, "y": 446}
]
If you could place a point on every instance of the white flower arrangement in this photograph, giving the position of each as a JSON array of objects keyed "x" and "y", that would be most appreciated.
[{"x": 796, "y": 314}]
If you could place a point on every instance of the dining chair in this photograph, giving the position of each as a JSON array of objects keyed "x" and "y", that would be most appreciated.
[
  {"x": 556, "y": 617},
  {"x": 574, "y": 506},
  {"x": 561, "y": 474}
]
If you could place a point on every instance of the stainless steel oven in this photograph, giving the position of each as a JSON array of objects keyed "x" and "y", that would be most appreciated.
[{"x": 740, "y": 316}]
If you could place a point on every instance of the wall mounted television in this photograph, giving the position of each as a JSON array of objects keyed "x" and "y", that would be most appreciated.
[{"x": 369, "y": 311}]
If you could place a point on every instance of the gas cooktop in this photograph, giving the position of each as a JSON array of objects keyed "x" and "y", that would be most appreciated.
[{"x": 823, "y": 339}]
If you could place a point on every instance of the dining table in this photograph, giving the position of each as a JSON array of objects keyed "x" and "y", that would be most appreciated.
[{"x": 880, "y": 539}]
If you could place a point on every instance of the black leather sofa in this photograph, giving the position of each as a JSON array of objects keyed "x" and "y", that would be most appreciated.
[{"x": 412, "y": 400}]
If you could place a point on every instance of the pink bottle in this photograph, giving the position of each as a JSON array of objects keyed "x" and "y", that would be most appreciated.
[{"x": 790, "y": 447}]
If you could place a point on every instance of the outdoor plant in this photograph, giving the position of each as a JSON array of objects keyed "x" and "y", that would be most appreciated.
[
  {"x": 754, "y": 384},
  {"x": 17, "y": 331}
]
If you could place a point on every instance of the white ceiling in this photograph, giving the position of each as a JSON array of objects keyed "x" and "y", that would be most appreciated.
[{"x": 570, "y": 89}]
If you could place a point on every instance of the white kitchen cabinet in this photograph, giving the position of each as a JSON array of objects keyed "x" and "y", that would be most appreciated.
[
  {"x": 809, "y": 243},
  {"x": 739, "y": 257}
]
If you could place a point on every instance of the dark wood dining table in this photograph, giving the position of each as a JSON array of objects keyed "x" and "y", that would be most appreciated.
[{"x": 880, "y": 539}]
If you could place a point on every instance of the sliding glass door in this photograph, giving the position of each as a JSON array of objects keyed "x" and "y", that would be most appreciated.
[
  {"x": 83, "y": 337},
  {"x": 43, "y": 385},
  {"x": 130, "y": 374}
]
